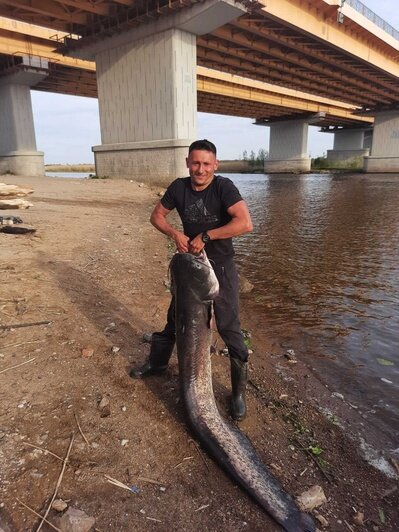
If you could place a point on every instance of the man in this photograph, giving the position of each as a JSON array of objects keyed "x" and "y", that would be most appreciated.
[{"x": 212, "y": 212}]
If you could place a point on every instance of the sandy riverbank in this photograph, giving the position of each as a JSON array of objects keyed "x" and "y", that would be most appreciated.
[{"x": 96, "y": 270}]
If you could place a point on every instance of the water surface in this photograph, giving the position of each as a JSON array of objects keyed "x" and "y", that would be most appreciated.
[
  {"x": 76, "y": 175},
  {"x": 324, "y": 258}
]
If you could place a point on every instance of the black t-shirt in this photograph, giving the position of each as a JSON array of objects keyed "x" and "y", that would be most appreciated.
[{"x": 204, "y": 210}]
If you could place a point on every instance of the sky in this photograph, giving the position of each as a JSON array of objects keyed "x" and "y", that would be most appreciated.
[{"x": 67, "y": 126}]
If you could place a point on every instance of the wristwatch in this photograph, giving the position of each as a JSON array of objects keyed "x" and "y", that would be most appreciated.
[{"x": 205, "y": 237}]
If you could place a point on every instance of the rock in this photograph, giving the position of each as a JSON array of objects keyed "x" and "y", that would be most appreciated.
[
  {"x": 321, "y": 519},
  {"x": 160, "y": 193},
  {"x": 124, "y": 443},
  {"x": 17, "y": 229},
  {"x": 104, "y": 406},
  {"x": 290, "y": 354},
  {"x": 115, "y": 349},
  {"x": 59, "y": 505},
  {"x": 87, "y": 352},
  {"x": 147, "y": 338},
  {"x": 312, "y": 498},
  {"x": 15, "y": 204},
  {"x": 358, "y": 519},
  {"x": 13, "y": 191},
  {"x": 338, "y": 395},
  {"x": 245, "y": 285},
  {"x": 75, "y": 520},
  {"x": 36, "y": 474}
]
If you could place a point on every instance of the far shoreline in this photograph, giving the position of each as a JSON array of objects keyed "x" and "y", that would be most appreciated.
[{"x": 227, "y": 166}]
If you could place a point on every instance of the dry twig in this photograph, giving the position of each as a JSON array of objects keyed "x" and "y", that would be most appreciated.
[
  {"x": 349, "y": 526},
  {"x": 18, "y": 365},
  {"x": 80, "y": 429},
  {"x": 92, "y": 261},
  {"x": 46, "y": 451},
  {"x": 200, "y": 453},
  {"x": 306, "y": 450},
  {"x": 38, "y": 515},
  {"x": 58, "y": 482},
  {"x": 116, "y": 482},
  {"x": 202, "y": 507},
  {"x": 27, "y": 324},
  {"x": 20, "y": 343},
  {"x": 184, "y": 460}
]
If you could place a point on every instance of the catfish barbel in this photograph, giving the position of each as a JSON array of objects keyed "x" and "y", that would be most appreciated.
[{"x": 194, "y": 285}]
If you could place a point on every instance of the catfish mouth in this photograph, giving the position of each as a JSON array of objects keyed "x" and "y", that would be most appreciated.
[{"x": 194, "y": 273}]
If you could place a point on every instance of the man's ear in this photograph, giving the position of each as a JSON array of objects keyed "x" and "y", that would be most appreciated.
[{"x": 216, "y": 164}]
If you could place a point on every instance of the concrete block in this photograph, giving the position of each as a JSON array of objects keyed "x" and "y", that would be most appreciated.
[
  {"x": 23, "y": 163},
  {"x": 154, "y": 166},
  {"x": 381, "y": 165},
  {"x": 287, "y": 166},
  {"x": 347, "y": 156}
]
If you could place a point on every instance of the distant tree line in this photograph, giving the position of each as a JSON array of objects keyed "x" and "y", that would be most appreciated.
[{"x": 254, "y": 159}]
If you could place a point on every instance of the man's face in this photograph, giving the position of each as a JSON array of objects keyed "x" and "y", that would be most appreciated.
[{"x": 202, "y": 166}]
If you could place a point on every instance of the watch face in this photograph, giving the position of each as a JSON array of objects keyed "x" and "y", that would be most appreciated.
[{"x": 205, "y": 237}]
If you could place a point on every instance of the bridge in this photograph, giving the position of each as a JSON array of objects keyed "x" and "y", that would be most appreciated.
[{"x": 152, "y": 64}]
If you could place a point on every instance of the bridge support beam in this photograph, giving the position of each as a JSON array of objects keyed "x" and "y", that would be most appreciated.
[
  {"x": 18, "y": 152},
  {"x": 288, "y": 149},
  {"x": 384, "y": 157},
  {"x": 349, "y": 147},
  {"x": 147, "y": 93}
]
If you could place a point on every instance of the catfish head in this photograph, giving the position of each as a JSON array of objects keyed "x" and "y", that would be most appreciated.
[{"x": 193, "y": 277}]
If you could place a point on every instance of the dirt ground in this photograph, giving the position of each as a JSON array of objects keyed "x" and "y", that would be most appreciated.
[{"x": 96, "y": 270}]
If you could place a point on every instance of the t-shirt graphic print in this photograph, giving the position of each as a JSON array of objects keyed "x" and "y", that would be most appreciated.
[{"x": 198, "y": 213}]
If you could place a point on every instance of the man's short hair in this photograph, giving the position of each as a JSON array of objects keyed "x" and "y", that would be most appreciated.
[{"x": 203, "y": 144}]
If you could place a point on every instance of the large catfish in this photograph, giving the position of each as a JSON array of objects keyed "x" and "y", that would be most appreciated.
[{"x": 194, "y": 286}]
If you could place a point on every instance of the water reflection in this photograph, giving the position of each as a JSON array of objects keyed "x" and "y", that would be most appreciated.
[{"x": 324, "y": 258}]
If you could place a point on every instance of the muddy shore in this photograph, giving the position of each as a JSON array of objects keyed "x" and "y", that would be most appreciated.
[{"x": 96, "y": 270}]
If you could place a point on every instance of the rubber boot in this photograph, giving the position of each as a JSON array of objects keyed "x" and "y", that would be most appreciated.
[
  {"x": 160, "y": 353},
  {"x": 239, "y": 378}
]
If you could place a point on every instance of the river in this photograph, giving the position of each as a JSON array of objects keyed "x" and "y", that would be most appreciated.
[{"x": 324, "y": 259}]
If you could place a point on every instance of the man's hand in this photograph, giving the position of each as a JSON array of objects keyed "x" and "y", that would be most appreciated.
[
  {"x": 182, "y": 242},
  {"x": 158, "y": 220},
  {"x": 196, "y": 245}
]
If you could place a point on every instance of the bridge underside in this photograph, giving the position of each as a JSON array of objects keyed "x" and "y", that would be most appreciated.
[
  {"x": 275, "y": 41},
  {"x": 215, "y": 95}
]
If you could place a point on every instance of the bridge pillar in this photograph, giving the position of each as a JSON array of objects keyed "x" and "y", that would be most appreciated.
[
  {"x": 147, "y": 93},
  {"x": 18, "y": 153},
  {"x": 288, "y": 149},
  {"x": 148, "y": 107},
  {"x": 384, "y": 156},
  {"x": 349, "y": 146}
]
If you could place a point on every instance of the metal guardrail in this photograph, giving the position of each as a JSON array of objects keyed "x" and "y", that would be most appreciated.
[
  {"x": 370, "y": 15},
  {"x": 18, "y": 60}
]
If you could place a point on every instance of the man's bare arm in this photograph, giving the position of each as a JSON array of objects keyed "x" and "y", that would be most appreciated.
[{"x": 158, "y": 220}]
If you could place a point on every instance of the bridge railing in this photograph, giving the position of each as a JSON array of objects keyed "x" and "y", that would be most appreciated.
[{"x": 370, "y": 15}]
